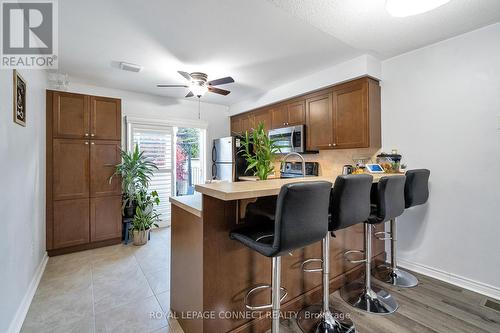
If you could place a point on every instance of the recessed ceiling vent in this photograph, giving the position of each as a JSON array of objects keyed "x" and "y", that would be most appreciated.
[{"x": 126, "y": 66}]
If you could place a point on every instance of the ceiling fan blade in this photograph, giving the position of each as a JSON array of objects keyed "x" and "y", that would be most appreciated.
[
  {"x": 219, "y": 91},
  {"x": 190, "y": 94},
  {"x": 186, "y": 75},
  {"x": 171, "y": 86},
  {"x": 224, "y": 80}
]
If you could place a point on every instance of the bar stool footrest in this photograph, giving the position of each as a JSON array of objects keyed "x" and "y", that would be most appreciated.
[
  {"x": 347, "y": 253},
  {"x": 386, "y": 235},
  {"x": 312, "y": 270},
  {"x": 284, "y": 294}
]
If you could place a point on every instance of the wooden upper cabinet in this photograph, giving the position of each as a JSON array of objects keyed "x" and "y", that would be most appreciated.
[
  {"x": 236, "y": 125},
  {"x": 104, "y": 156},
  {"x": 247, "y": 122},
  {"x": 105, "y": 114},
  {"x": 105, "y": 218},
  {"x": 70, "y": 115},
  {"x": 264, "y": 117},
  {"x": 279, "y": 116},
  {"x": 350, "y": 116},
  {"x": 70, "y": 169},
  {"x": 296, "y": 112},
  {"x": 319, "y": 122}
]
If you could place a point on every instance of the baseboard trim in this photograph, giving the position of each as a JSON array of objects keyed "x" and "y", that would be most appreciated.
[
  {"x": 17, "y": 323},
  {"x": 460, "y": 281}
]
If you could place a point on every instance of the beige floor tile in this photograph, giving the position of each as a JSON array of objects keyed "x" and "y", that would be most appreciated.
[
  {"x": 159, "y": 281},
  {"x": 164, "y": 300},
  {"x": 73, "y": 263},
  {"x": 133, "y": 317},
  {"x": 154, "y": 262},
  {"x": 112, "y": 290},
  {"x": 113, "y": 265},
  {"x": 85, "y": 325},
  {"x": 49, "y": 311}
]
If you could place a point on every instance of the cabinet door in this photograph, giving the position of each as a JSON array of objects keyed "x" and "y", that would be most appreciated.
[
  {"x": 264, "y": 117},
  {"x": 236, "y": 125},
  {"x": 70, "y": 114},
  {"x": 279, "y": 116},
  {"x": 105, "y": 116},
  {"x": 104, "y": 156},
  {"x": 105, "y": 218},
  {"x": 350, "y": 116},
  {"x": 296, "y": 113},
  {"x": 247, "y": 123},
  {"x": 71, "y": 223},
  {"x": 70, "y": 169},
  {"x": 319, "y": 122}
]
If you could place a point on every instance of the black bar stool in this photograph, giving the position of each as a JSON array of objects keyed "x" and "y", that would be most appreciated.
[
  {"x": 416, "y": 193},
  {"x": 301, "y": 219},
  {"x": 349, "y": 205},
  {"x": 387, "y": 203}
]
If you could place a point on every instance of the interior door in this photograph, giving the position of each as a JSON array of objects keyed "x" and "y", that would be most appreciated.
[
  {"x": 104, "y": 156},
  {"x": 105, "y": 118},
  {"x": 105, "y": 218},
  {"x": 70, "y": 113},
  {"x": 71, "y": 222},
  {"x": 70, "y": 169},
  {"x": 319, "y": 122},
  {"x": 350, "y": 116}
]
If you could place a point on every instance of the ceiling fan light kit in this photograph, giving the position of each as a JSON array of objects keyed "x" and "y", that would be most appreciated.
[
  {"x": 198, "y": 84},
  {"x": 404, "y": 8}
]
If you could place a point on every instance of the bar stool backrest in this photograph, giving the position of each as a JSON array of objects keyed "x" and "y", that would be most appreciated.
[
  {"x": 301, "y": 215},
  {"x": 389, "y": 197},
  {"x": 350, "y": 201},
  {"x": 416, "y": 187}
]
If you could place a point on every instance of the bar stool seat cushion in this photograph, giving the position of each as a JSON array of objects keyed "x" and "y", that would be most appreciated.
[
  {"x": 258, "y": 237},
  {"x": 416, "y": 187},
  {"x": 388, "y": 199}
]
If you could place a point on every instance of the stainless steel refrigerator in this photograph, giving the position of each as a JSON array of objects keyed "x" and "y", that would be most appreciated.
[{"x": 227, "y": 163}]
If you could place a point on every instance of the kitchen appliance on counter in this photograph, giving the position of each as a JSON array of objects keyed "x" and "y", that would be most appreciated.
[
  {"x": 290, "y": 139},
  {"x": 347, "y": 169},
  {"x": 294, "y": 169},
  {"x": 227, "y": 164}
]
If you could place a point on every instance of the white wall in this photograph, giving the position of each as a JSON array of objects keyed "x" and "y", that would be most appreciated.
[
  {"x": 354, "y": 68},
  {"x": 164, "y": 108},
  {"x": 22, "y": 196},
  {"x": 440, "y": 108}
]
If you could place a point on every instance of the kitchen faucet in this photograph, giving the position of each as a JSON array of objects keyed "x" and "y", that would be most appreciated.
[{"x": 283, "y": 162}]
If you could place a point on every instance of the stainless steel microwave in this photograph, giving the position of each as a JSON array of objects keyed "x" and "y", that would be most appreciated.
[{"x": 291, "y": 139}]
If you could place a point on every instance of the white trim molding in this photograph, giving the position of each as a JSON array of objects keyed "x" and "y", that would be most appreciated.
[
  {"x": 17, "y": 322},
  {"x": 460, "y": 281},
  {"x": 174, "y": 122}
]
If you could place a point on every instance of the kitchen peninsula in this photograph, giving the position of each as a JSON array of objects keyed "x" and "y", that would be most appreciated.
[{"x": 211, "y": 273}]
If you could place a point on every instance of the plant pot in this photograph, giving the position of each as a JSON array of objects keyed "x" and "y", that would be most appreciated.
[{"x": 141, "y": 237}]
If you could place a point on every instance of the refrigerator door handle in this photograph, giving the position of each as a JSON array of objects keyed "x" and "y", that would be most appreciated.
[
  {"x": 214, "y": 170},
  {"x": 214, "y": 152}
]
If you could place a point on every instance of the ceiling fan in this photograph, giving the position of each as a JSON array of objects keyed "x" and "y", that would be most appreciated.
[{"x": 198, "y": 84}]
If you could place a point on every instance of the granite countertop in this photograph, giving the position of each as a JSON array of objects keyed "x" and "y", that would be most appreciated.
[{"x": 253, "y": 189}]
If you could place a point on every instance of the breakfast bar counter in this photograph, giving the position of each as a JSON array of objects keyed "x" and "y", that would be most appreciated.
[{"x": 210, "y": 273}]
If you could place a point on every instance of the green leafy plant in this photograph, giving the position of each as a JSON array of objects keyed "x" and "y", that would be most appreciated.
[
  {"x": 136, "y": 172},
  {"x": 260, "y": 151},
  {"x": 146, "y": 215}
]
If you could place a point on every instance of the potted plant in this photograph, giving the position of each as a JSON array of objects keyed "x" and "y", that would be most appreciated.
[
  {"x": 260, "y": 151},
  {"x": 136, "y": 172},
  {"x": 145, "y": 216}
]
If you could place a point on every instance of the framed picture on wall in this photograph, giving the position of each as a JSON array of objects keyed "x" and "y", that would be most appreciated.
[{"x": 19, "y": 99}]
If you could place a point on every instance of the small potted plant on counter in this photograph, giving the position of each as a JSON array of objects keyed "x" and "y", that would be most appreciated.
[
  {"x": 259, "y": 151},
  {"x": 145, "y": 216},
  {"x": 136, "y": 172}
]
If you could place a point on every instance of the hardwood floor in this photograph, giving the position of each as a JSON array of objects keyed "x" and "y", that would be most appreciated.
[{"x": 115, "y": 289}]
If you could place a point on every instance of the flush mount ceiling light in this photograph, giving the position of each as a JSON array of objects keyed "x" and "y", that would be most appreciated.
[{"x": 404, "y": 8}]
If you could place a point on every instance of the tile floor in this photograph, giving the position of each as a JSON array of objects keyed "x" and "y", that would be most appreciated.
[{"x": 111, "y": 289}]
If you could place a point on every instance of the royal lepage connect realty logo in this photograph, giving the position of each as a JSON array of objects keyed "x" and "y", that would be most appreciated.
[{"x": 29, "y": 34}]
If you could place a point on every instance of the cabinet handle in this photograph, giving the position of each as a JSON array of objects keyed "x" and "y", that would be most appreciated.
[
  {"x": 92, "y": 134},
  {"x": 86, "y": 134},
  {"x": 109, "y": 165},
  {"x": 92, "y": 143},
  {"x": 86, "y": 142},
  {"x": 329, "y": 145},
  {"x": 334, "y": 144}
]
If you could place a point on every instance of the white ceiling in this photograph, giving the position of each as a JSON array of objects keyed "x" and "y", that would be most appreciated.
[
  {"x": 366, "y": 25},
  {"x": 260, "y": 43}
]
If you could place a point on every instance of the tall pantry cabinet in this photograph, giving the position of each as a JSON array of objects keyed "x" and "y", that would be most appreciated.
[{"x": 83, "y": 209}]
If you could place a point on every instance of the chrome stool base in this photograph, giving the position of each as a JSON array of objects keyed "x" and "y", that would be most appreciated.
[
  {"x": 396, "y": 277},
  {"x": 372, "y": 300},
  {"x": 313, "y": 319}
]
